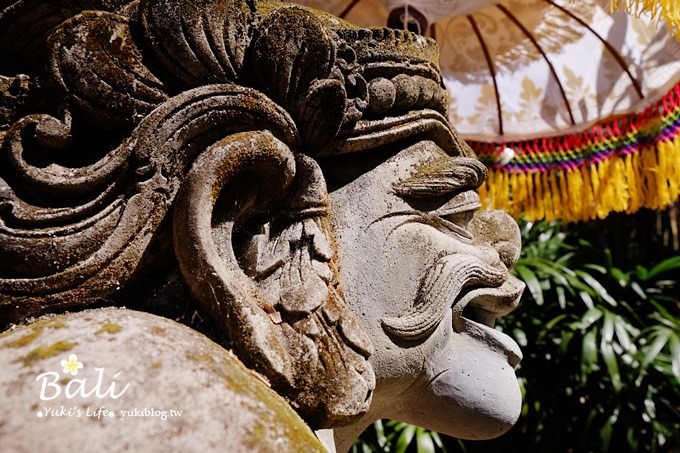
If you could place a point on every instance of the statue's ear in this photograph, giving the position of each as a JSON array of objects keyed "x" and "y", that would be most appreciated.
[
  {"x": 254, "y": 165},
  {"x": 253, "y": 242}
]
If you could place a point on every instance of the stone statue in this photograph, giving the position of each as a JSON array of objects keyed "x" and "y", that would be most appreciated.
[{"x": 297, "y": 171}]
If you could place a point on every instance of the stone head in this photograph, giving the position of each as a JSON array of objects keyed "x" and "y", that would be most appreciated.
[
  {"x": 427, "y": 274},
  {"x": 302, "y": 174}
]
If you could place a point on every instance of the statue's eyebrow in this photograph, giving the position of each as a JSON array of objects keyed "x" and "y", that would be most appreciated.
[{"x": 442, "y": 176}]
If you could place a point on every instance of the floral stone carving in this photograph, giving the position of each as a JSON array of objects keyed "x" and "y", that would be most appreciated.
[{"x": 297, "y": 171}]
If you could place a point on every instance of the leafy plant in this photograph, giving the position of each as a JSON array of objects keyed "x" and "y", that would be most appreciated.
[
  {"x": 601, "y": 342},
  {"x": 398, "y": 437}
]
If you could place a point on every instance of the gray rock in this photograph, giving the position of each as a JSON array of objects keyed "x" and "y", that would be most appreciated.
[{"x": 156, "y": 386}]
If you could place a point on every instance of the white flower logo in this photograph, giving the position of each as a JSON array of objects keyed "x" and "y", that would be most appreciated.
[{"x": 71, "y": 366}]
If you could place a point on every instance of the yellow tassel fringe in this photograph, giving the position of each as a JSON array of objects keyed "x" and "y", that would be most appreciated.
[
  {"x": 649, "y": 178},
  {"x": 666, "y": 10}
]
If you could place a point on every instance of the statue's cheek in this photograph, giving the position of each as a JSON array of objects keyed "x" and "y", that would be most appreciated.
[{"x": 426, "y": 243}]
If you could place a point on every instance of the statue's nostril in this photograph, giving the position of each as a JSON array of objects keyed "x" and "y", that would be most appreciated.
[
  {"x": 501, "y": 232},
  {"x": 508, "y": 252}
]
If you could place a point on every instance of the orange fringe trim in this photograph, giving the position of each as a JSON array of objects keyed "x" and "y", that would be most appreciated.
[{"x": 649, "y": 178}]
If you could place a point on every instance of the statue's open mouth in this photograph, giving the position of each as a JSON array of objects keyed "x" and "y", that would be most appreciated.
[{"x": 477, "y": 309}]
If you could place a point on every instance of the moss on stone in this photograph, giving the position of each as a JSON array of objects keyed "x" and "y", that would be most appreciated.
[
  {"x": 200, "y": 358},
  {"x": 25, "y": 340},
  {"x": 275, "y": 420},
  {"x": 109, "y": 327},
  {"x": 45, "y": 352},
  {"x": 35, "y": 328},
  {"x": 51, "y": 324},
  {"x": 156, "y": 330}
]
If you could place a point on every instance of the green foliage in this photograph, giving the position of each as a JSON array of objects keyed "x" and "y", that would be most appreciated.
[
  {"x": 600, "y": 371},
  {"x": 601, "y": 343},
  {"x": 398, "y": 437}
]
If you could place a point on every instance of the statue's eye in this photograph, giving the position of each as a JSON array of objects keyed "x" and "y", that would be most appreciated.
[{"x": 457, "y": 213}]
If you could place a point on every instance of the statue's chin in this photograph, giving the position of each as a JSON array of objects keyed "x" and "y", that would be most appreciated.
[{"x": 474, "y": 394}]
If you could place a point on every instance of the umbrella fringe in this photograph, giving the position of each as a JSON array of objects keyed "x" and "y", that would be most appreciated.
[
  {"x": 621, "y": 165},
  {"x": 666, "y": 10}
]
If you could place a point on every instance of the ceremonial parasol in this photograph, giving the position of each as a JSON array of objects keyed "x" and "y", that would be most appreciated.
[{"x": 575, "y": 111}]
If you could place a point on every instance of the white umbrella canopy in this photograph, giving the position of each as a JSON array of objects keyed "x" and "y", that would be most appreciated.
[
  {"x": 564, "y": 84},
  {"x": 571, "y": 69},
  {"x": 521, "y": 69}
]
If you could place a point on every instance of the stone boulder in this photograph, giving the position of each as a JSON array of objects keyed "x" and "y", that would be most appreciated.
[{"x": 124, "y": 380}]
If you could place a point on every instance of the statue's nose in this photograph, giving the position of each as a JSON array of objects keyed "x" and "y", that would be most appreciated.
[{"x": 499, "y": 230}]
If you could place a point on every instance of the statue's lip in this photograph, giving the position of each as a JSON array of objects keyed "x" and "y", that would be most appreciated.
[
  {"x": 476, "y": 311},
  {"x": 494, "y": 338}
]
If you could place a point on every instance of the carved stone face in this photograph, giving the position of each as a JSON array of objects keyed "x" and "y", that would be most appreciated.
[
  {"x": 195, "y": 135},
  {"x": 428, "y": 281}
]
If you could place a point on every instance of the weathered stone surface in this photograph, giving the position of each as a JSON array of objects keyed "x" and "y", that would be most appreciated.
[
  {"x": 79, "y": 223},
  {"x": 155, "y": 366},
  {"x": 428, "y": 290},
  {"x": 287, "y": 173}
]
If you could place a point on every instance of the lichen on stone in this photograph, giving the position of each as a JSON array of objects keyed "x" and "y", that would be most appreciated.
[
  {"x": 109, "y": 327},
  {"x": 25, "y": 340},
  {"x": 45, "y": 352},
  {"x": 37, "y": 328},
  {"x": 156, "y": 330}
]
